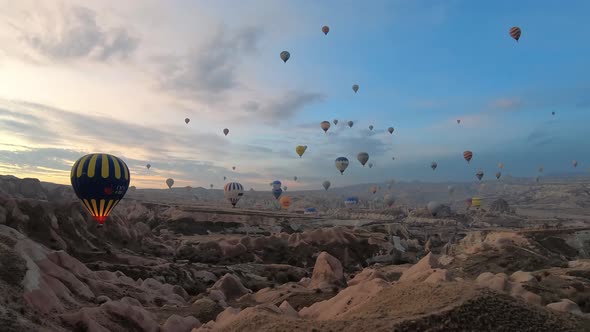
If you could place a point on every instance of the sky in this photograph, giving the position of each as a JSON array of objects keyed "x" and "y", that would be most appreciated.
[{"x": 86, "y": 76}]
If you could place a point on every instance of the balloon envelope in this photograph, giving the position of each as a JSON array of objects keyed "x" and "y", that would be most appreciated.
[
  {"x": 169, "y": 183},
  {"x": 341, "y": 164},
  {"x": 100, "y": 181},
  {"x": 325, "y": 29},
  {"x": 285, "y": 56},
  {"x": 233, "y": 191},
  {"x": 226, "y": 131},
  {"x": 285, "y": 201}
]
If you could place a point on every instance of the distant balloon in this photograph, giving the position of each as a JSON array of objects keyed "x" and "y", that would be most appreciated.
[
  {"x": 433, "y": 165},
  {"x": 170, "y": 182},
  {"x": 325, "y": 29},
  {"x": 537, "y": 179},
  {"x": 450, "y": 189},
  {"x": 392, "y": 158},
  {"x": 224, "y": 178},
  {"x": 285, "y": 201},
  {"x": 390, "y": 130},
  {"x": 355, "y": 88},
  {"x": 326, "y": 184},
  {"x": 335, "y": 122},
  {"x": 350, "y": 124},
  {"x": 468, "y": 155},
  {"x": 148, "y": 166},
  {"x": 479, "y": 175},
  {"x": 285, "y": 56},
  {"x": 362, "y": 157},
  {"x": 370, "y": 165},
  {"x": 371, "y": 127},
  {"x": 100, "y": 181},
  {"x": 226, "y": 131},
  {"x": 458, "y": 121},
  {"x": 498, "y": 175},
  {"x": 233, "y": 191},
  {"x": 341, "y": 164},
  {"x": 295, "y": 178},
  {"x": 500, "y": 165},
  {"x": 541, "y": 169},
  {"x": 132, "y": 188},
  {"x": 310, "y": 211},
  {"x": 211, "y": 186},
  {"x": 374, "y": 189},
  {"x": 515, "y": 33},
  {"x": 276, "y": 192},
  {"x": 300, "y": 149},
  {"x": 351, "y": 201},
  {"x": 553, "y": 113},
  {"x": 285, "y": 188},
  {"x": 187, "y": 120},
  {"x": 575, "y": 163},
  {"x": 325, "y": 125},
  {"x": 276, "y": 184},
  {"x": 434, "y": 207},
  {"x": 389, "y": 200}
]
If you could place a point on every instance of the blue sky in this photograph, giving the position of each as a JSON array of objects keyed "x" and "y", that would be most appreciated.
[{"x": 141, "y": 67}]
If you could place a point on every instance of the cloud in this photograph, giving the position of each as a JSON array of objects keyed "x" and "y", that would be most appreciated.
[
  {"x": 281, "y": 108},
  {"x": 70, "y": 32},
  {"x": 507, "y": 104},
  {"x": 212, "y": 68}
]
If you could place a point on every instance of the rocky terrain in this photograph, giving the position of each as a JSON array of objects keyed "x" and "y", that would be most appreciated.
[{"x": 182, "y": 260}]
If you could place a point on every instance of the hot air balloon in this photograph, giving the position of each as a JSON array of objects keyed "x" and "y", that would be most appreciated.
[
  {"x": 450, "y": 189},
  {"x": 233, "y": 191},
  {"x": 326, "y": 184},
  {"x": 295, "y": 178},
  {"x": 226, "y": 131},
  {"x": 500, "y": 165},
  {"x": 498, "y": 175},
  {"x": 479, "y": 175},
  {"x": 371, "y": 127},
  {"x": 468, "y": 202},
  {"x": 458, "y": 121},
  {"x": 285, "y": 201},
  {"x": 362, "y": 157},
  {"x": 132, "y": 188},
  {"x": 325, "y": 125},
  {"x": 170, "y": 182},
  {"x": 100, "y": 181},
  {"x": 224, "y": 178},
  {"x": 390, "y": 130},
  {"x": 389, "y": 200},
  {"x": 537, "y": 179},
  {"x": 553, "y": 113},
  {"x": 211, "y": 186},
  {"x": 335, "y": 122},
  {"x": 374, "y": 189},
  {"x": 541, "y": 169},
  {"x": 575, "y": 163},
  {"x": 355, "y": 88},
  {"x": 300, "y": 149},
  {"x": 233, "y": 167},
  {"x": 433, "y": 165},
  {"x": 148, "y": 166},
  {"x": 468, "y": 155},
  {"x": 276, "y": 192},
  {"x": 350, "y": 123},
  {"x": 276, "y": 184},
  {"x": 476, "y": 202},
  {"x": 285, "y": 56},
  {"x": 285, "y": 188},
  {"x": 515, "y": 33},
  {"x": 310, "y": 211},
  {"x": 351, "y": 201},
  {"x": 371, "y": 165},
  {"x": 341, "y": 164},
  {"x": 392, "y": 158},
  {"x": 187, "y": 120},
  {"x": 325, "y": 29}
]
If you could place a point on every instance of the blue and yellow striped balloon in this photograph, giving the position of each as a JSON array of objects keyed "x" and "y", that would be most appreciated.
[{"x": 100, "y": 181}]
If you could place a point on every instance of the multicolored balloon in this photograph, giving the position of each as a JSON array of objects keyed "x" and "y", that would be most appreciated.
[
  {"x": 325, "y": 125},
  {"x": 468, "y": 155},
  {"x": 515, "y": 33},
  {"x": 300, "y": 149},
  {"x": 325, "y": 29},
  {"x": 362, "y": 157},
  {"x": 100, "y": 181},
  {"x": 341, "y": 164},
  {"x": 233, "y": 191}
]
